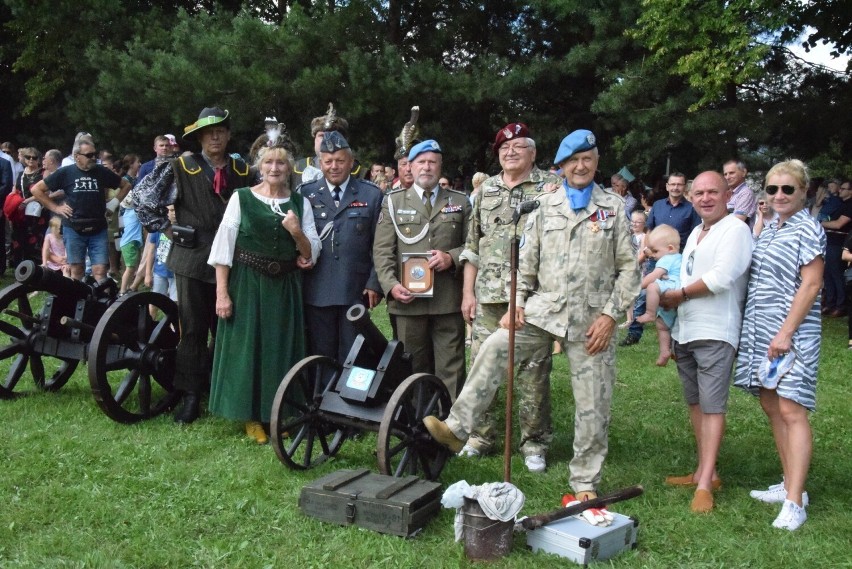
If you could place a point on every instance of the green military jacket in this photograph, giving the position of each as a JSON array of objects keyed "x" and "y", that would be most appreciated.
[
  {"x": 489, "y": 236},
  {"x": 575, "y": 266},
  {"x": 445, "y": 230}
]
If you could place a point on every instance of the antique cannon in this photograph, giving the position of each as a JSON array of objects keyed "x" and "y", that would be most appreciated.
[
  {"x": 49, "y": 323},
  {"x": 319, "y": 401}
]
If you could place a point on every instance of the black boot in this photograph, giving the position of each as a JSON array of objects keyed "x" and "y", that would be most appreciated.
[{"x": 189, "y": 409}]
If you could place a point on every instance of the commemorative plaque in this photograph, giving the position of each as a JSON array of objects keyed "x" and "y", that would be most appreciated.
[{"x": 416, "y": 274}]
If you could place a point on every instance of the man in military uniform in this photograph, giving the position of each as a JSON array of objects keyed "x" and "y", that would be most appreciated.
[
  {"x": 346, "y": 211},
  {"x": 577, "y": 277},
  {"x": 431, "y": 221},
  {"x": 486, "y": 288},
  {"x": 204, "y": 183},
  {"x": 309, "y": 168}
]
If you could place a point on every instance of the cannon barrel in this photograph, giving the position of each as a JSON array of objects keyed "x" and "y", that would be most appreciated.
[
  {"x": 39, "y": 278},
  {"x": 360, "y": 318}
]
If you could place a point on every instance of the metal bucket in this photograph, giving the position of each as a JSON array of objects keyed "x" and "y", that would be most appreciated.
[{"x": 485, "y": 539}]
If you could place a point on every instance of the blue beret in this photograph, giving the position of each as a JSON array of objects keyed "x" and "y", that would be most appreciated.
[
  {"x": 425, "y": 146},
  {"x": 332, "y": 141},
  {"x": 577, "y": 141}
]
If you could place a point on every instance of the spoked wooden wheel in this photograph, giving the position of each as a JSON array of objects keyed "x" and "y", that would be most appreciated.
[
  {"x": 132, "y": 357},
  {"x": 301, "y": 436},
  {"x": 17, "y": 324},
  {"x": 404, "y": 445}
]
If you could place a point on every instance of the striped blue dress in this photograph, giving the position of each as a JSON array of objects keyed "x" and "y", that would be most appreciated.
[{"x": 775, "y": 277}]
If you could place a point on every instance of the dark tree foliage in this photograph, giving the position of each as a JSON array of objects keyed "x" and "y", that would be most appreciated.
[{"x": 650, "y": 87}]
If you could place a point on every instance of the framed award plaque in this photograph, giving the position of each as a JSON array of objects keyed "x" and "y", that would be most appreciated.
[{"x": 416, "y": 274}]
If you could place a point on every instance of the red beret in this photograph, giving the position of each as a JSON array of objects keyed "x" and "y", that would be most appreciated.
[{"x": 510, "y": 132}]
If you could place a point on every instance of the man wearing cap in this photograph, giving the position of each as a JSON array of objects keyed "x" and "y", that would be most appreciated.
[
  {"x": 485, "y": 296},
  {"x": 204, "y": 181},
  {"x": 431, "y": 221},
  {"x": 577, "y": 277},
  {"x": 309, "y": 168},
  {"x": 346, "y": 211}
]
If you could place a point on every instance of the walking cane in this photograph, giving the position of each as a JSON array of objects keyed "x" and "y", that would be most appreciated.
[{"x": 522, "y": 209}]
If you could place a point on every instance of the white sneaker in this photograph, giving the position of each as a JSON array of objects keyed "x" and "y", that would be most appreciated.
[
  {"x": 775, "y": 494},
  {"x": 468, "y": 451},
  {"x": 535, "y": 463},
  {"x": 792, "y": 516}
]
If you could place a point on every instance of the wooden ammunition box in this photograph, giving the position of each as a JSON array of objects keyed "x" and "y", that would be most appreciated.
[{"x": 398, "y": 506}]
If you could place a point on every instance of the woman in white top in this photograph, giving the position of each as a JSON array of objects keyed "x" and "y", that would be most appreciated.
[{"x": 266, "y": 238}]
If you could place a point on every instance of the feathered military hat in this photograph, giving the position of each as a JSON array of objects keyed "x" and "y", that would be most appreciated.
[
  {"x": 275, "y": 135},
  {"x": 408, "y": 135},
  {"x": 330, "y": 121}
]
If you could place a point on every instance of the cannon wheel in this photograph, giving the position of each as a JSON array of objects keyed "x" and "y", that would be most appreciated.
[
  {"x": 13, "y": 346},
  {"x": 404, "y": 445},
  {"x": 301, "y": 436},
  {"x": 132, "y": 357}
]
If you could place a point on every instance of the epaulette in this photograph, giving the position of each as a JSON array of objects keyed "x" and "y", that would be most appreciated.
[
  {"x": 303, "y": 163},
  {"x": 372, "y": 183},
  {"x": 396, "y": 191},
  {"x": 235, "y": 162},
  {"x": 186, "y": 167},
  {"x": 458, "y": 192}
]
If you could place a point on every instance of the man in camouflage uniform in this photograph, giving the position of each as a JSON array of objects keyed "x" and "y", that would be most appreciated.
[
  {"x": 486, "y": 288},
  {"x": 577, "y": 277}
]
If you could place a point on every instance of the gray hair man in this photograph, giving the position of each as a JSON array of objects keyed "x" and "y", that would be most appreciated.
[{"x": 486, "y": 288}]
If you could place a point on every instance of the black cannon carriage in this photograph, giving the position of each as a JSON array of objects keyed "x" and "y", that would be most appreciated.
[
  {"x": 320, "y": 400},
  {"x": 128, "y": 342}
]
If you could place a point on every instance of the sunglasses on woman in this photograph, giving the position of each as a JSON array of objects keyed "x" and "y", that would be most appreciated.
[{"x": 787, "y": 189}]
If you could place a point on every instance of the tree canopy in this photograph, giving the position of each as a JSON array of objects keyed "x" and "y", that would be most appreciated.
[{"x": 690, "y": 82}]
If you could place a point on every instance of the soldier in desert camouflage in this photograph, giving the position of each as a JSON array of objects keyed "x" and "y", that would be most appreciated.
[
  {"x": 486, "y": 288},
  {"x": 577, "y": 278}
]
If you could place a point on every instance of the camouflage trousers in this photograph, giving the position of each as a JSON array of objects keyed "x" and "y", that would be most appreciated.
[
  {"x": 532, "y": 390},
  {"x": 592, "y": 381}
]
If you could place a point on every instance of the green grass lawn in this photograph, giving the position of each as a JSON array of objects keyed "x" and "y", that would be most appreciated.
[{"x": 79, "y": 490}]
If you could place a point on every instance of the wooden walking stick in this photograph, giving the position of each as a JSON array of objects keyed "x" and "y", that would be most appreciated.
[{"x": 523, "y": 208}]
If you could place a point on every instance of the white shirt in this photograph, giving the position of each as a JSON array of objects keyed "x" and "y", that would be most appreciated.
[
  {"x": 722, "y": 261},
  {"x": 222, "y": 250}
]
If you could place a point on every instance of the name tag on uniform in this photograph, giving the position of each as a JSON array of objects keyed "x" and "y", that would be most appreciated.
[{"x": 406, "y": 211}]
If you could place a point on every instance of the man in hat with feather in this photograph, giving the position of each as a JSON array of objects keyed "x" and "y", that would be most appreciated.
[
  {"x": 205, "y": 181},
  {"x": 309, "y": 168}
]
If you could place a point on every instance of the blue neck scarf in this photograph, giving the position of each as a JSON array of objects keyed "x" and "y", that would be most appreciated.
[{"x": 578, "y": 199}]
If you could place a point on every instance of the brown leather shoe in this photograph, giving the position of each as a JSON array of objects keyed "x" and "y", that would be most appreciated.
[
  {"x": 442, "y": 433},
  {"x": 686, "y": 480},
  {"x": 702, "y": 502}
]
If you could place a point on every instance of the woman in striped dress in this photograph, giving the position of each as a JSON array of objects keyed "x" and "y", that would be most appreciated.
[{"x": 783, "y": 315}]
